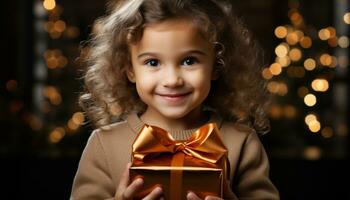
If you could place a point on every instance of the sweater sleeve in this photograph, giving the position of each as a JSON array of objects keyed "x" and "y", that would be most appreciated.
[
  {"x": 253, "y": 180},
  {"x": 93, "y": 179}
]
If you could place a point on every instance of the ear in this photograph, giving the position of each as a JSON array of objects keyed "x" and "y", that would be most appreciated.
[{"x": 131, "y": 74}]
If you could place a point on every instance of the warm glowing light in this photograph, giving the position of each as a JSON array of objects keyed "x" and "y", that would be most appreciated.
[
  {"x": 310, "y": 100},
  {"x": 327, "y": 132},
  {"x": 296, "y": 18},
  {"x": 281, "y": 32},
  {"x": 309, "y": 118},
  {"x": 302, "y": 91},
  {"x": 295, "y": 54},
  {"x": 71, "y": 125},
  {"x": 343, "y": 42},
  {"x": 309, "y": 64},
  {"x": 275, "y": 69},
  {"x": 35, "y": 123},
  {"x": 312, "y": 153},
  {"x": 78, "y": 118},
  {"x": 72, "y": 32},
  {"x": 53, "y": 95},
  {"x": 60, "y": 26},
  {"x": 57, "y": 134},
  {"x": 275, "y": 111},
  {"x": 314, "y": 126},
  {"x": 283, "y": 61},
  {"x": 334, "y": 62},
  {"x": 290, "y": 111},
  {"x": 305, "y": 42},
  {"x": 292, "y": 38},
  {"x": 332, "y": 31},
  {"x": 347, "y": 18},
  {"x": 326, "y": 59},
  {"x": 324, "y": 34},
  {"x": 282, "y": 50},
  {"x": 320, "y": 85},
  {"x": 333, "y": 42},
  {"x": 266, "y": 73},
  {"x": 49, "y": 4},
  {"x": 277, "y": 88}
]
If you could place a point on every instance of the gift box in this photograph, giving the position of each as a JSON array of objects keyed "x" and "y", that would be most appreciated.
[{"x": 198, "y": 164}]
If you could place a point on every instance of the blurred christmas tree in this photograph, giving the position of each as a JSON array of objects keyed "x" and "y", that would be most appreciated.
[{"x": 309, "y": 78}]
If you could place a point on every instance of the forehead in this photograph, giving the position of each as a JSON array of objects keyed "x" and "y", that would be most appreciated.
[{"x": 175, "y": 34}]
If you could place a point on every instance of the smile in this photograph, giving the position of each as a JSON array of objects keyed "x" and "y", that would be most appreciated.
[{"x": 174, "y": 97}]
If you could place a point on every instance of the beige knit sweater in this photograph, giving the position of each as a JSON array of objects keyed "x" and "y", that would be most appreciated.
[{"x": 108, "y": 150}]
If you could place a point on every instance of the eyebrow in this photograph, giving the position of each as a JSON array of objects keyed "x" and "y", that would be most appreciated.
[{"x": 186, "y": 52}]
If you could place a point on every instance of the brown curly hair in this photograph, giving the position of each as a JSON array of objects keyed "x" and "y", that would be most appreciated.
[{"x": 239, "y": 94}]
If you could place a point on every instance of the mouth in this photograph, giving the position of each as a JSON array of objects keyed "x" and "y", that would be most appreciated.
[{"x": 174, "y": 97}]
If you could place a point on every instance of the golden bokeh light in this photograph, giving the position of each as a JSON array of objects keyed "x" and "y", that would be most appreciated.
[
  {"x": 283, "y": 61},
  {"x": 78, "y": 118},
  {"x": 326, "y": 59},
  {"x": 292, "y": 38},
  {"x": 332, "y": 31},
  {"x": 346, "y": 18},
  {"x": 343, "y": 42},
  {"x": 324, "y": 34},
  {"x": 275, "y": 111},
  {"x": 309, "y": 118},
  {"x": 71, "y": 125},
  {"x": 282, "y": 50},
  {"x": 320, "y": 85},
  {"x": 333, "y": 42},
  {"x": 312, "y": 153},
  {"x": 266, "y": 74},
  {"x": 60, "y": 26},
  {"x": 49, "y": 4},
  {"x": 57, "y": 135},
  {"x": 305, "y": 42},
  {"x": 314, "y": 126},
  {"x": 310, "y": 100},
  {"x": 281, "y": 32},
  {"x": 275, "y": 69},
  {"x": 309, "y": 64},
  {"x": 290, "y": 111},
  {"x": 327, "y": 132},
  {"x": 295, "y": 54}
]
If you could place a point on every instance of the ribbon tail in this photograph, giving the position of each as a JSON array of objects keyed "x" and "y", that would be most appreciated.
[{"x": 176, "y": 176}]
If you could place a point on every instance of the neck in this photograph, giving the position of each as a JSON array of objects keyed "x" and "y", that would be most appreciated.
[{"x": 193, "y": 119}]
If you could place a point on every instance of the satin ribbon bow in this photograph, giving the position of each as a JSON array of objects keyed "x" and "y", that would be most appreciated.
[{"x": 205, "y": 144}]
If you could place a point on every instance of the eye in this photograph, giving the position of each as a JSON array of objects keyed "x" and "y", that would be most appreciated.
[
  {"x": 152, "y": 62},
  {"x": 189, "y": 61}
]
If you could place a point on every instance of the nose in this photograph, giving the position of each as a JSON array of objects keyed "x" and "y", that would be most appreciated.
[{"x": 172, "y": 77}]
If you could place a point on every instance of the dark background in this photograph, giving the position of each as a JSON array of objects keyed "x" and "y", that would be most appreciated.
[{"x": 304, "y": 165}]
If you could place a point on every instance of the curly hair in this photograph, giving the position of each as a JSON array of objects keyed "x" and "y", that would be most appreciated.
[{"x": 239, "y": 94}]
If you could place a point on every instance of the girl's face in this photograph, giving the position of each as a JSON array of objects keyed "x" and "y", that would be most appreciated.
[{"x": 172, "y": 67}]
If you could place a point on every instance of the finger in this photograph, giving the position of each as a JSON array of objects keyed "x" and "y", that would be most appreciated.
[
  {"x": 124, "y": 179},
  {"x": 192, "y": 196},
  {"x": 133, "y": 188},
  {"x": 155, "y": 194}
]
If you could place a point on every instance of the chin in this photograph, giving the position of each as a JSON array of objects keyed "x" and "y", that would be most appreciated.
[{"x": 174, "y": 114}]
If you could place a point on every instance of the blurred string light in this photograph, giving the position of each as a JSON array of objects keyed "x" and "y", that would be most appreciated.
[
  {"x": 347, "y": 18},
  {"x": 49, "y": 4}
]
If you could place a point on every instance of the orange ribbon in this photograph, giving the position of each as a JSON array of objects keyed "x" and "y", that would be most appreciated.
[{"x": 205, "y": 144}]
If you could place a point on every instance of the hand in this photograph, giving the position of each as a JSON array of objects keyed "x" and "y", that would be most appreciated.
[
  {"x": 193, "y": 196},
  {"x": 126, "y": 191}
]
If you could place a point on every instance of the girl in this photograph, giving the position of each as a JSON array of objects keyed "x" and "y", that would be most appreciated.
[{"x": 175, "y": 64}]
